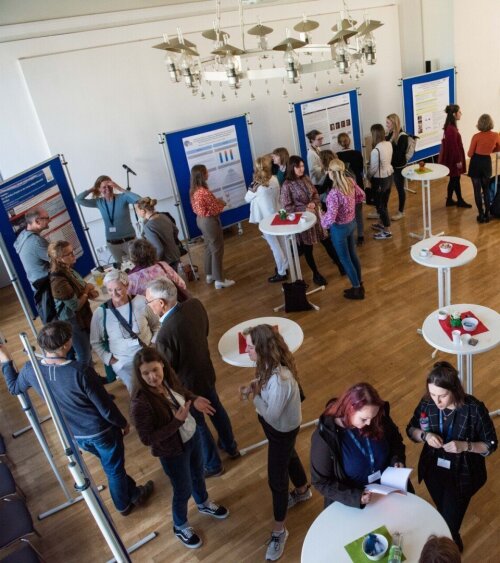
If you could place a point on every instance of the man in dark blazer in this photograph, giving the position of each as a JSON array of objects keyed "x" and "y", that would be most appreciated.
[{"x": 183, "y": 340}]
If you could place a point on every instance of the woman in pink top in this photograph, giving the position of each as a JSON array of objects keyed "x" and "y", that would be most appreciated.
[
  {"x": 482, "y": 145},
  {"x": 340, "y": 219},
  {"x": 147, "y": 268}
]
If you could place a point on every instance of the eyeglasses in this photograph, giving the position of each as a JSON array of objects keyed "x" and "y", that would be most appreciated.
[
  {"x": 151, "y": 300},
  {"x": 72, "y": 253},
  {"x": 44, "y": 218}
]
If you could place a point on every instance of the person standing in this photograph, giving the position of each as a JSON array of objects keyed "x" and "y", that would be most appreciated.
[
  {"x": 317, "y": 172},
  {"x": 339, "y": 218},
  {"x": 482, "y": 144},
  {"x": 280, "y": 157},
  {"x": 160, "y": 231},
  {"x": 264, "y": 196},
  {"x": 71, "y": 294},
  {"x": 277, "y": 397},
  {"x": 399, "y": 140},
  {"x": 452, "y": 155},
  {"x": 457, "y": 434},
  {"x": 183, "y": 341},
  {"x": 114, "y": 209},
  {"x": 298, "y": 194},
  {"x": 121, "y": 327},
  {"x": 32, "y": 247},
  {"x": 92, "y": 416},
  {"x": 380, "y": 172},
  {"x": 207, "y": 209},
  {"x": 160, "y": 411}
]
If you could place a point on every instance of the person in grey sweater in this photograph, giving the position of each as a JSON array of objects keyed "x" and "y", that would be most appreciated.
[
  {"x": 93, "y": 418},
  {"x": 160, "y": 231},
  {"x": 183, "y": 341}
]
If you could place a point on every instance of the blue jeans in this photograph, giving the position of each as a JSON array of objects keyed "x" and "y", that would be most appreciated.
[
  {"x": 81, "y": 343},
  {"x": 185, "y": 472},
  {"x": 221, "y": 422},
  {"x": 108, "y": 447},
  {"x": 345, "y": 245}
]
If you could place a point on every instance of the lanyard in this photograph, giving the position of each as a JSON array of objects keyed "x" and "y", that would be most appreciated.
[
  {"x": 362, "y": 450},
  {"x": 111, "y": 216},
  {"x": 130, "y": 313},
  {"x": 450, "y": 427}
]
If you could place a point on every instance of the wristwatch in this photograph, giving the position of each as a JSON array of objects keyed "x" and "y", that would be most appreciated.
[{"x": 423, "y": 435}]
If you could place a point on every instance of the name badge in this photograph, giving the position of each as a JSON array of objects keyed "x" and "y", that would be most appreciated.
[
  {"x": 444, "y": 463},
  {"x": 112, "y": 229},
  {"x": 374, "y": 477}
]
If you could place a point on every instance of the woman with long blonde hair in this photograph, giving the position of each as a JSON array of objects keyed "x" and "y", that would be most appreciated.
[
  {"x": 399, "y": 140},
  {"x": 263, "y": 196},
  {"x": 276, "y": 397},
  {"x": 340, "y": 220}
]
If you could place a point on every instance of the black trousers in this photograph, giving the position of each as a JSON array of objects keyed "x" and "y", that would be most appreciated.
[
  {"x": 452, "y": 505},
  {"x": 283, "y": 464},
  {"x": 454, "y": 187},
  {"x": 481, "y": 191},
  {"x": 399, "y": 182},
  {"x": 307, "y": 249},
  {"x": 382, "y": 187}
]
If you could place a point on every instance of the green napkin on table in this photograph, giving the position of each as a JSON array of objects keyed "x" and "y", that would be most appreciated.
[{"x": 355, "y": 548}]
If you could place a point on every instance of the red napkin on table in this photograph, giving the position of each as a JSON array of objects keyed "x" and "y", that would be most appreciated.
[
  {"x": 448, "y": 328},
  {"x": 242, "y": 342},
  {"x": 456, "y": 249},
  {"x": 278, "y": 221}
]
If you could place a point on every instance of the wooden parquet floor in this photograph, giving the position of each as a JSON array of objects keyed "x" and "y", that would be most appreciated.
[{"x": 345, "y": 342}]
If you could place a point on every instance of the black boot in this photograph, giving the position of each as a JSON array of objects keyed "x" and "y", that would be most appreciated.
[
  {"x": 354, "y": 293},
  {"x": 450, "y": 202},
  {"x": 318, "y": 279},
  {"x": 463, "y": 203}
]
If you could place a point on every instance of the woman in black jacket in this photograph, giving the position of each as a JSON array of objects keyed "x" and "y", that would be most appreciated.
[
  {"x": 458, "y": 434},
  {"x": 399, "y": 140},
  {"x": 355, "y": 441},
  {"x": 160, "y": 413}
]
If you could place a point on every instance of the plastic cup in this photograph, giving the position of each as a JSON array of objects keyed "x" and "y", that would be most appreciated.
[
  {"x": 456, "y": 335},
  {"x": 98, "y": 277}
]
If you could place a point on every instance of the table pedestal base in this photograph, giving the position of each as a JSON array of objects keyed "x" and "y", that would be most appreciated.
[{"x": 426, "y": 213}]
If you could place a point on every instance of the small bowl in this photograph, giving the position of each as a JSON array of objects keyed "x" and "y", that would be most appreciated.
[
  {"x": 445, "y": 247},
  {"x": 425, "y": 252},
  {"x": 382, "y": 540},
  {"x": 469, "y": 324},
  {"x": 291, "y": 216},
  {"x": 442, "y": 315}
]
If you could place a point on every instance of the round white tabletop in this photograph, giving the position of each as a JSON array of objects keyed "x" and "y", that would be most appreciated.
[
  {"x": 229, "y": 343},
  {"x": 339, "y": 525},
  {"x": 281, "y": 230},
  {"x": 436, "y": 171},
  {"x": 437, "y": 338},
  {"x": 439, "y": 261}
]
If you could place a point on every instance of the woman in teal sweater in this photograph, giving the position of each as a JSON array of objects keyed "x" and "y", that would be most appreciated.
[{"x": 115, "y": 213}]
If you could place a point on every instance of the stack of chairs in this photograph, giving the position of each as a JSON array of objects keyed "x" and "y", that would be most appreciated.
[{"x": 16, "y": 523}]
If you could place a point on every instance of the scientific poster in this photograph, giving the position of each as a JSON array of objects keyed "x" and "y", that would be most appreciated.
[
  {"x": 331, "y": 116},
  {"x": 218, "y": 151},
  {"x": 429, "y": 100},
  {"x": 39, "y": 188}
]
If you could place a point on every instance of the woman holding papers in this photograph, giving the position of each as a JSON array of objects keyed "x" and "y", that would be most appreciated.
[
  {"x": 355, "y": 441},
  {"x": 458, "y": 434}
]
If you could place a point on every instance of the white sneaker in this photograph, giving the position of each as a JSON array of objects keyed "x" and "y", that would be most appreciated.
[
  {"x": 373, "y": 215},
  {"x": 209, "y": 279},
  {"x": 399, "y": 215},
  {"x": 276, "y": 545},
  {"x": 294, "y": 497},
  {"x": 225, "y": 283}
]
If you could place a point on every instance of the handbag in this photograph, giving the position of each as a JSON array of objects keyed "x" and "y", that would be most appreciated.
[{"x": 295, "y": 296}]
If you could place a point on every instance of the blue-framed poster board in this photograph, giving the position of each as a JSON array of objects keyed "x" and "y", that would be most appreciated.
[
  {"x": 224, "y": 148},
  {"x": 425, "y": 98},
  {"x": 331, "y": 115},
  {"x": 45, "y": 185}
]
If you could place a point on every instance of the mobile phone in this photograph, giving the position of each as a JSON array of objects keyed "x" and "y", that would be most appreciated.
[{"x": 473, "y": 341}]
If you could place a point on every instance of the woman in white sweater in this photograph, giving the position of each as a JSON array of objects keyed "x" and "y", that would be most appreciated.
[
  {"x": 276, "y": 397},
  {"x": 380, "y": 172},
  {"x": 263, "y": 196},
  {"x": 317, "y": 172}
]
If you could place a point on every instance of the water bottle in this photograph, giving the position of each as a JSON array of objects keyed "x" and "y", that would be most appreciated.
[
  {"x": 396, "y": 553},
  {"x": 424, "y": 422}
]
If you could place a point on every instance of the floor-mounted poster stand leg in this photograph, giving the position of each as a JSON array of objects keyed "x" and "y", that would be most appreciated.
[
  {"x": 400, "y": 84},
  {"x": 78, "y": 469},
  {"x": 80, "y": 212},
  {"x": 177, "y": 200},
  {"x": 291, "y": 111}
]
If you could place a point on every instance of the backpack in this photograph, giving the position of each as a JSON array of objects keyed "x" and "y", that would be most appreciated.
[
  {"x": 412, "y": 144},
  {"x": 495, "y": 205}
]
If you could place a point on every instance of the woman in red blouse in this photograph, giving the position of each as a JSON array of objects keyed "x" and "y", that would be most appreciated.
[
  {"x": 452, "y": 155},
  {"x": 207, "y": 209}
]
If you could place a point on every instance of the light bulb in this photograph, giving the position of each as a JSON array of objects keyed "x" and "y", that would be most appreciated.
[
  {"x": 185, "y": 66},
  {"x": 342, "y": 58},
  {"x": 230, "y": 65},
  {"x": 370, "y": 49},
  {"x": 171, "y": 68},
  {"x": 292, "y": 66}
]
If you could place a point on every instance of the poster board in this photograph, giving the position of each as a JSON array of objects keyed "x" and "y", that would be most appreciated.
[
  {"x": 224, "y": 148},
  {"x": 43, "y": 185},
  {"x": 424, "y": 100},
  {"x": 332, "y": 115}
]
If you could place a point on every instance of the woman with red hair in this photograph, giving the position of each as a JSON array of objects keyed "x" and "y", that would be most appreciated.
[{"x": 355, "y": 441}]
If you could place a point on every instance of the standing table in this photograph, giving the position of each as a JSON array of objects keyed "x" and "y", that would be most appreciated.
[
  {"x": 434, "y": 334},
  {"x": 338, "y": 525},
  {"x": 289, "y": 232},
  {"x": 436, "y": 171},
  {"x": 443, "y": 264}
]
